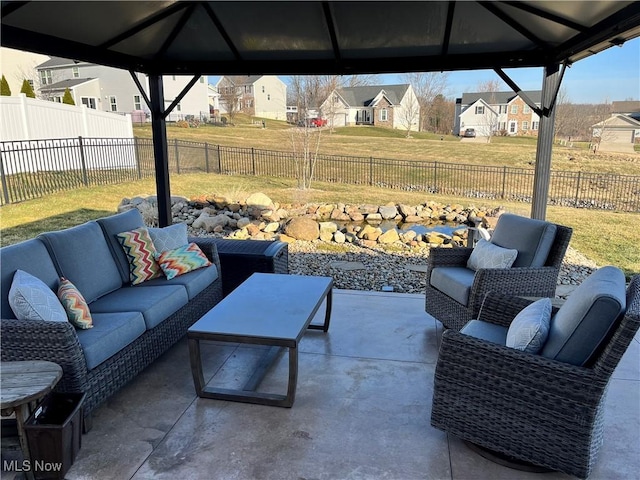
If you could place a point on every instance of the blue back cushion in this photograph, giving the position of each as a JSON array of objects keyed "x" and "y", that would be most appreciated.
[
  {"x": 83, "y": 257},
  {"x": 532, "y": 238},
  {"x": 586, "y": 318},
  {"x": 32, "y": 257},
  {"x": 111, "y": 226}
]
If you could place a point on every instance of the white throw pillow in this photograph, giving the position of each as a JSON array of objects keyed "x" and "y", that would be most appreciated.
[
  {"x": 529, "y": 329},
  {"x": 31, "y": 299},
  {"x": 487, "y": 255}
]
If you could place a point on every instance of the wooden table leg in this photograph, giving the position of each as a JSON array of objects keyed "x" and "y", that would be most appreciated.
[{"x": 22, "y": 414}]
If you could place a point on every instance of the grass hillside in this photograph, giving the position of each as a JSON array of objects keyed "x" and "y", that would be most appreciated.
[{"x": 364, "y": 141}]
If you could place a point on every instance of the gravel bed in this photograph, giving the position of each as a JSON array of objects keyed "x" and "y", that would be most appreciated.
[{"x": 394, "y": 268}]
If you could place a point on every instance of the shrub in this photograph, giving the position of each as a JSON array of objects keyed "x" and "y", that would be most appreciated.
[
  {"x": 67, "y": 98},
  {"x": 4, "y": 87},
  {"x": 27, "y": 89}
]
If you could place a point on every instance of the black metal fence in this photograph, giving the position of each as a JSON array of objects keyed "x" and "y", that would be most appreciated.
[{"x": 32, "y": 169}]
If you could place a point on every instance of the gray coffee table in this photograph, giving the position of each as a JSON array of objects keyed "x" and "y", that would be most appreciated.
[{"x": 266, "y": 309}]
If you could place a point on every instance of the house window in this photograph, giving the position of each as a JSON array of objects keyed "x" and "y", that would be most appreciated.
[
  {"x": 513, "y": 127},
  {"x": 249, "y": 103},
  {"x": 137, "y": 104},
  {"x": 514, "y": 109},
  {"x": 502, "y": 109},
  {"x": 383, "y": 115},
  {"x": 201, "y": 79},
  {"x": 525, "y": 126},
  {"x": 526, "y": 109},
  {"x": 173, "y": 78},
  {"x": 178, "y": 108},
  {"x": 30, "y": 83},
  {"x": 113, "y": 104},
  {"x": 268, "y": 96},
  {"x": 479, "y": 110},
  {"x": 45, "y": 77},
  {"x": 57, "y": 99},
  {"x": 263, "y": 89},
  {"x": 75, "y": 72},
  {"x": 534, "y": 125},
  {"x": 502, "y": 126},
  {"x": 90, "y": 102}
]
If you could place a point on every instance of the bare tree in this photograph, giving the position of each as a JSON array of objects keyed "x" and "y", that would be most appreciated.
[
  {"x": 442, "y": 115},
  {"x": 601, "y": 133},
  {"x": 490, "y": 119},
  {"x": 427, "y": 86},
  {"x": 410, "y": 116},
  {"x": 229, "y": 98}
]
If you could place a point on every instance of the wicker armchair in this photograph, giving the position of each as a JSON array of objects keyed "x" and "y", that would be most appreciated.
[
  {"x": 528, "y": 407},
  {"x": 519, "y": 280}
]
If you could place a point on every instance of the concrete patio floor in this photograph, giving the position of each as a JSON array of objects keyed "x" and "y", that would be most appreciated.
[{"x": 361, "y": 412}]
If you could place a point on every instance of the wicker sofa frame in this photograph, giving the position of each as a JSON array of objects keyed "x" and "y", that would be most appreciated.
[
  {"x": 24, "y": 340},
  {"x": 526, "y": 406},
  {"x": 521, "y": 281}
]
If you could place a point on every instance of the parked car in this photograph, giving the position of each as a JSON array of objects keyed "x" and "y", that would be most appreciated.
[
  {"x": 470, "y": 133},
  {"x": 318, "y": 122}
]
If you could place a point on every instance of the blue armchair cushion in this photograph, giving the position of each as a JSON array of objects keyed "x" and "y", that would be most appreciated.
[
  {"x": 155, "y": 303},
  {"x": 30, "y": 256},
  {"x": 529, "y": 329},
  {"x": 111, "y": 332},
  {"x": 586, "y": 318},
  {"x": 84, "y": 258},
  {"x": 485, "y": 331},
  {"x": 530, "y": 237},
  {"x": 111, "y": 226},
  {"x": 31, "y": 299},
  {"x": 487, "y": 255},
  {"x": 455, "y": 282}
]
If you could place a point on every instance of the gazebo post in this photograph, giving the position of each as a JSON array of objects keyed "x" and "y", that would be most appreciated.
[
  {"x": 550, "y": 86},
  {"x": 160, "y": 152}
]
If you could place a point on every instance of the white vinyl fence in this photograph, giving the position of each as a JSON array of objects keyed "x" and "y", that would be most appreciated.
[{"x": 23, "y": 118}]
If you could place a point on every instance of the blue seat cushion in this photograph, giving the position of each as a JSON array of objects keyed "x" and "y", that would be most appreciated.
[
  {"x": 194, "y": 281},
  {"x": 30, "y": 256},
  {"x": 486, "y": 331},
  {"x": 455, "y": 282},
  {"x": 84, "y": 258},
  {"x": 585, "y": 319},
  {"x": 111, "y": 332},
  {"x": 111, "y": 226},
  {"x": 530, "y": 237},
  {"x": 155, "y": 303}
]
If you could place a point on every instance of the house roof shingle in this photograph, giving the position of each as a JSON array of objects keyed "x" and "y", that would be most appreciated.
[
  {"x": 362, "y": 96},
  {"x": 625, "y": 107},
  {"x": 68, "y": 83},
  {"x": 57, "y": 62},
  {"x": 499, "y": 98}
]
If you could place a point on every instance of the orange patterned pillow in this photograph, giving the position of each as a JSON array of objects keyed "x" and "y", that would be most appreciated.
[
  {"x": 139, "y": 249},
  {"x": 182, "y": 260},
  {"x": 74, "y": 304}
]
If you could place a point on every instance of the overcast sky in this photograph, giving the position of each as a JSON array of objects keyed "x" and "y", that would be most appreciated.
[{"x": 611, "y": 75}]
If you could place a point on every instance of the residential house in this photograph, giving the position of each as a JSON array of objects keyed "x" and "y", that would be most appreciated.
[
  {"x": 497, "y": 113},
  {"x": 263, "y": 96},
  {"x": 18, "y": 66},
  {"x": 390, "y": 106},
  {"x": 621, "y": 131},
  {"x": 113, "y": 90}
]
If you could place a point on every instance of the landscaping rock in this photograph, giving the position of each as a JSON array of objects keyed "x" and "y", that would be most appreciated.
[{"x": 302, "y": 228}]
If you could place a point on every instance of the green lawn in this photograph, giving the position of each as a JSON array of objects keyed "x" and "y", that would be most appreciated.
[{"x": 605, "y": 237}]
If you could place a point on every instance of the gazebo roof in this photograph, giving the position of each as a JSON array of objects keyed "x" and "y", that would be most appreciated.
[{"x": 313, "y": 37}]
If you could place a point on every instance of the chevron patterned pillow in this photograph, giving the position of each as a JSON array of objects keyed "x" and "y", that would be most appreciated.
[
  {"x": 182, "y": 260},
  {"x": 74, "y": 304},
  {"x": 139, "y": 249}
]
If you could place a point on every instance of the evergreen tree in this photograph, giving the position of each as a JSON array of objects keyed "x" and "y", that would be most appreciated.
[
  {"x": 4, "y": 87},
  {"x": 27, "y": 89},
  {"x": 67, "y": 98}
]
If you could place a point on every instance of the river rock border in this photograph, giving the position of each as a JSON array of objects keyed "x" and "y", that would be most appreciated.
[{"x": 258, "y": 217}]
